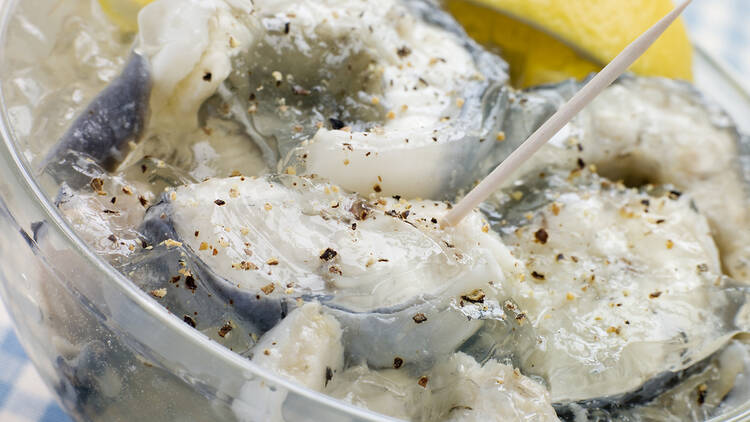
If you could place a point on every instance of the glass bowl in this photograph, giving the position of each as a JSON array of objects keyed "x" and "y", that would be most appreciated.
[{"x": 107, "y": 349}]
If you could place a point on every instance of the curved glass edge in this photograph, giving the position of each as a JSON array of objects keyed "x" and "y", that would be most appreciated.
[
  {"x": 709, "y": 76},
  {"x": 719, "y": 83},
  {"x": 225, "y": 363}
]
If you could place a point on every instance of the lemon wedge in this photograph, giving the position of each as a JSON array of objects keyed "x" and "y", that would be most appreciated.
[
  {"x": 124, "y": 12},
  {"x": 546, "y": 41}
]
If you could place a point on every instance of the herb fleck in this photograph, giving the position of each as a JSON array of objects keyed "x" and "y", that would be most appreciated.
[
  {"x": 190, "y": 283},
  {"x": 189, "y": 320},
  {"x": 476, "y": 296},
  {"x": 329, "y": 375},
  {"x": 158, "y": 293},
  {"x": 336, "y": 124},
  {"x": 702, "y": 391},
  {"x": 97, "y": 185},
  {"x": 397, "y": 362},
  {"x": 403, "y": 52},
  {"x": 537, "y": 275},
  {"x": 541, "y": 236},
  {"x": 225, "y": 329},
  {"x": 268, "y": 289},
  {"x": 361, "y": 210},
  {"x": 328, "y": 255},
  {"x": 247, "y": 266},
  {"x": 419, "y": 318}
]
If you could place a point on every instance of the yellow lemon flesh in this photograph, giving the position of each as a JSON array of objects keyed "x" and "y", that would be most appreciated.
[
  {"x": 124, "y": 12},
  {"x": 546, "y": 41}
]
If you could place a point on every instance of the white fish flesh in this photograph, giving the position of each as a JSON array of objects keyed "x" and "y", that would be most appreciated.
[
  {"x": 651, "y": 131},
  {"x": 384, "y": 269},
  {"x": 457, "y": 389},
  {"x": 620, "y": 286}
]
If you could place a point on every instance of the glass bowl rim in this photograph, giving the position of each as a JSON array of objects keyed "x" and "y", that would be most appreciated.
[
  {"x": 127, "y": 288},
  {"x": 115, "y": 279}
]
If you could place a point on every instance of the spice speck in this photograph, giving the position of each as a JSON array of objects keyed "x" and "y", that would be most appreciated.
[
  {"x": 419, "y": 318},
  {"x": 397, "y": 362},
  {"x": 328, "y": 254}
]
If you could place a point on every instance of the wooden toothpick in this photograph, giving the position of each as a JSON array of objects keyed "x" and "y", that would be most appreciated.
[{"x": 565, "y": 114}]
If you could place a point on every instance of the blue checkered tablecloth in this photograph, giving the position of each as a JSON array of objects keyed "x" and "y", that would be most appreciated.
[
  {"x": 720, "y": 26},
  {"x": 23, "y": 396}
]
